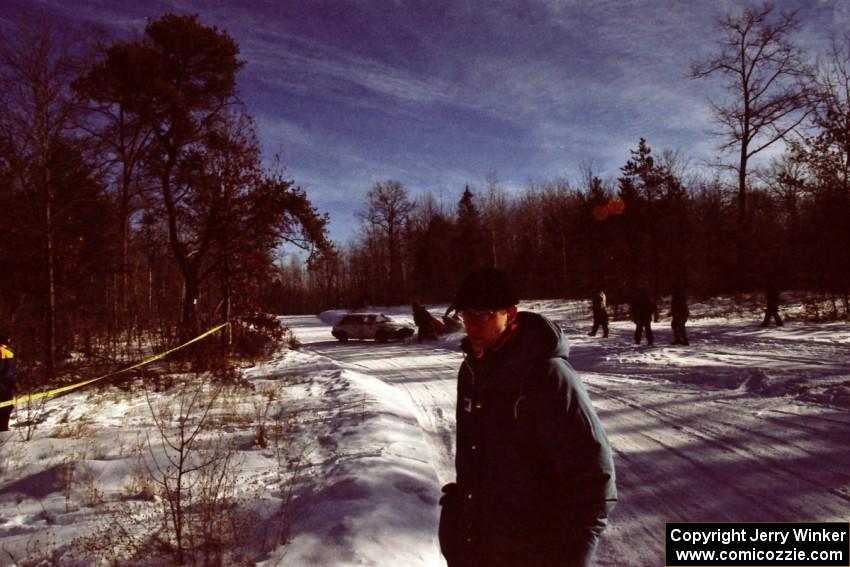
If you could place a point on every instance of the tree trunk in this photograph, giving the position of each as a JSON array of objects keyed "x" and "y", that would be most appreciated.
[
  {"x": 742, "y": 186},
  {"x": 190, "y": 307},
  {"x": 564, "y": 278},
  {"x": 743, "y": 245},
  {"x": 189, "y": 325},
  {"x": 226, "y": 337},
  {"x": 50, "y": 354},
  {"x": 123, "y": 235},
  {"x": 494, "y": 257}
]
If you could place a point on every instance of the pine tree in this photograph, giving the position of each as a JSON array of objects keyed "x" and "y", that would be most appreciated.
[
  {"x": 467, "y": 249},
  {"x": 178, "y": 79}
]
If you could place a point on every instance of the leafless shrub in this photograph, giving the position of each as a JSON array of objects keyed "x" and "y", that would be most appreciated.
[
  {"x": 292, "y": 460},
  {"x": 825, "y": 307},
  {"x": 185, "y": 501},
  {"x": 67, "y": 471},
  {"x": 262, "y": 406},
  {"x": 123, "y": 533},
  {"x": 76, "y": 429},
  {"x": 92, "y": 494},
  {"x": 12, "y": 452},
  {"x": 216, "y": 523},
  {"x": 40, "y": 551},
  {"x": 177, "y": 458},
  {"x": 195, "y": 475},
  {"x": 28, "y": 415},
  {"x": 140, "y": 486}
]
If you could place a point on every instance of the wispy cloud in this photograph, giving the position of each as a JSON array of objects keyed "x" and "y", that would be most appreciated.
[
  {"x": 436, "y": 94},
  {"x": 299, "y": 63}
]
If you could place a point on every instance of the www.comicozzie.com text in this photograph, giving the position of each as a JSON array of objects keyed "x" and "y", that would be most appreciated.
[{"x": 743, "y": 534}]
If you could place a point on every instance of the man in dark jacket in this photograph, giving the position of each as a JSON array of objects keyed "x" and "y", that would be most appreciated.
[
  {"x": 535, "y": 475},
  {"x": 680, "y": 313},
  {"x": 7, "y": 381},
  {"x": 643, "y": 308},
  {"x": 771, "y": 295}
]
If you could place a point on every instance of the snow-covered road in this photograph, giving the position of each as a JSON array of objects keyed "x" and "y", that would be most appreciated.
[
  {"x": 724, "y": 430},
  {"x": 339, "y": 449}
]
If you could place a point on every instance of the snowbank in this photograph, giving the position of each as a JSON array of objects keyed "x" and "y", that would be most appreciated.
[{"x": 374, "y": 501}]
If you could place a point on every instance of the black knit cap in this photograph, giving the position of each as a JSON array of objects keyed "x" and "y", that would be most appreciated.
[{"x": 486, "y": 288}]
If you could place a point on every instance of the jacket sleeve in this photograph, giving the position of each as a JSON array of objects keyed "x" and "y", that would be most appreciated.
[
  {"x": 576, "y": 444},
  {"x": 7, "y": 371}
]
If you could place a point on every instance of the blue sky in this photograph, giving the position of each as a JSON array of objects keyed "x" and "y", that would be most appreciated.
[{"x": 437, "y": 94}]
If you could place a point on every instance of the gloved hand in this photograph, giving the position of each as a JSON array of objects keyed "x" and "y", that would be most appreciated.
[
  {"x": 449, "y": 493},
  {"x": 450, "y": 529}
]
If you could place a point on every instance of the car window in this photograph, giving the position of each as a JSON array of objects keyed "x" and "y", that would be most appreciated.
[
  {"x": 370, "y": 319},
  {"x": 383, "y": 319},
  {"x": 348, "y": 320}
]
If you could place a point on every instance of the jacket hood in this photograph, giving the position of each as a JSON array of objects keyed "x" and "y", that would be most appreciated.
[
  {"x": 538, "y": 337},
  {"x": 534, "y": 338}
]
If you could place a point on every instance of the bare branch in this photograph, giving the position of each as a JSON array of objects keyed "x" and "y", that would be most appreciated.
[{"x": 763, "y": 71}]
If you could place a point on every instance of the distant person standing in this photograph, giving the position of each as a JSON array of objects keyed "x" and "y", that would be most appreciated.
[
  {"x": 772, "y": 309},
  {"x": 680, "y": 312},
  {"x": 600, "y": 314},
  {"x": 642, "y": 310},
  {"x": 7, "y": 380}
]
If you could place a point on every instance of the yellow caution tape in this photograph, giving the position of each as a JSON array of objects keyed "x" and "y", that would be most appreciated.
[{"x": 48, "y": 393}]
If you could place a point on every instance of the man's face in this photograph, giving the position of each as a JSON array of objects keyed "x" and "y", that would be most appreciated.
[{"x": 485, "y": 327}]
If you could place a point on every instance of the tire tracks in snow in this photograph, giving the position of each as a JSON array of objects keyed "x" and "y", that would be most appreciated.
[
  {"x": 768, "y": 446},
  {"x": 710, "y": 434},
  {"x": 428, "y": 376},
  {"x": 675, "y": 464}
]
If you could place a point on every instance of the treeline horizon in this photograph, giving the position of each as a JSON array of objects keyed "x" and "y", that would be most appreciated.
[
  {"x": 662, "y": 223},
  {"x": 649, "y": 228},
  {"x": 139, "y": 206}
]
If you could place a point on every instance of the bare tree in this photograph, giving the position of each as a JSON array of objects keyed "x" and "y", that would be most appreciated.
[
  {"x": 495, "y": 216},
  {"x": 785, "y": 179},
  {"x": 764, "y": 72},
  {"x": 828, "y": 152},
  {"x": 120, "y": 139},
  {"x": 388, "y": 208},
  {"x": 825, "y": 154},
  {"x": 37, "y": 64},
  {"x": 176, "y": 466}
]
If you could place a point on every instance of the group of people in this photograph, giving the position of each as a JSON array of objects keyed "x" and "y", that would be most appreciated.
[{"x": 643, "y": 310}]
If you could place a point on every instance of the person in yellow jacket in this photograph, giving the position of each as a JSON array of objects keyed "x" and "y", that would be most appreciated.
[{"x": 7, "y": 380}]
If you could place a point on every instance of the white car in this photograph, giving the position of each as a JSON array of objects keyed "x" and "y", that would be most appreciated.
[{"x": 370, "y": 326}]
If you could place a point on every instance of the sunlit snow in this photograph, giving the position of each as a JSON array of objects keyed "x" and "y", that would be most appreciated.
[{"x": 748, "y": 423}]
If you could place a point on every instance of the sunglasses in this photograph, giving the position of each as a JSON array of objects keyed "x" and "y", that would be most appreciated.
[{"x": 478, "y": 315}]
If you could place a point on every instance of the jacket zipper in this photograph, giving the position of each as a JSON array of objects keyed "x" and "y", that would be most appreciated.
[{"x": 471, "y": 371}]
